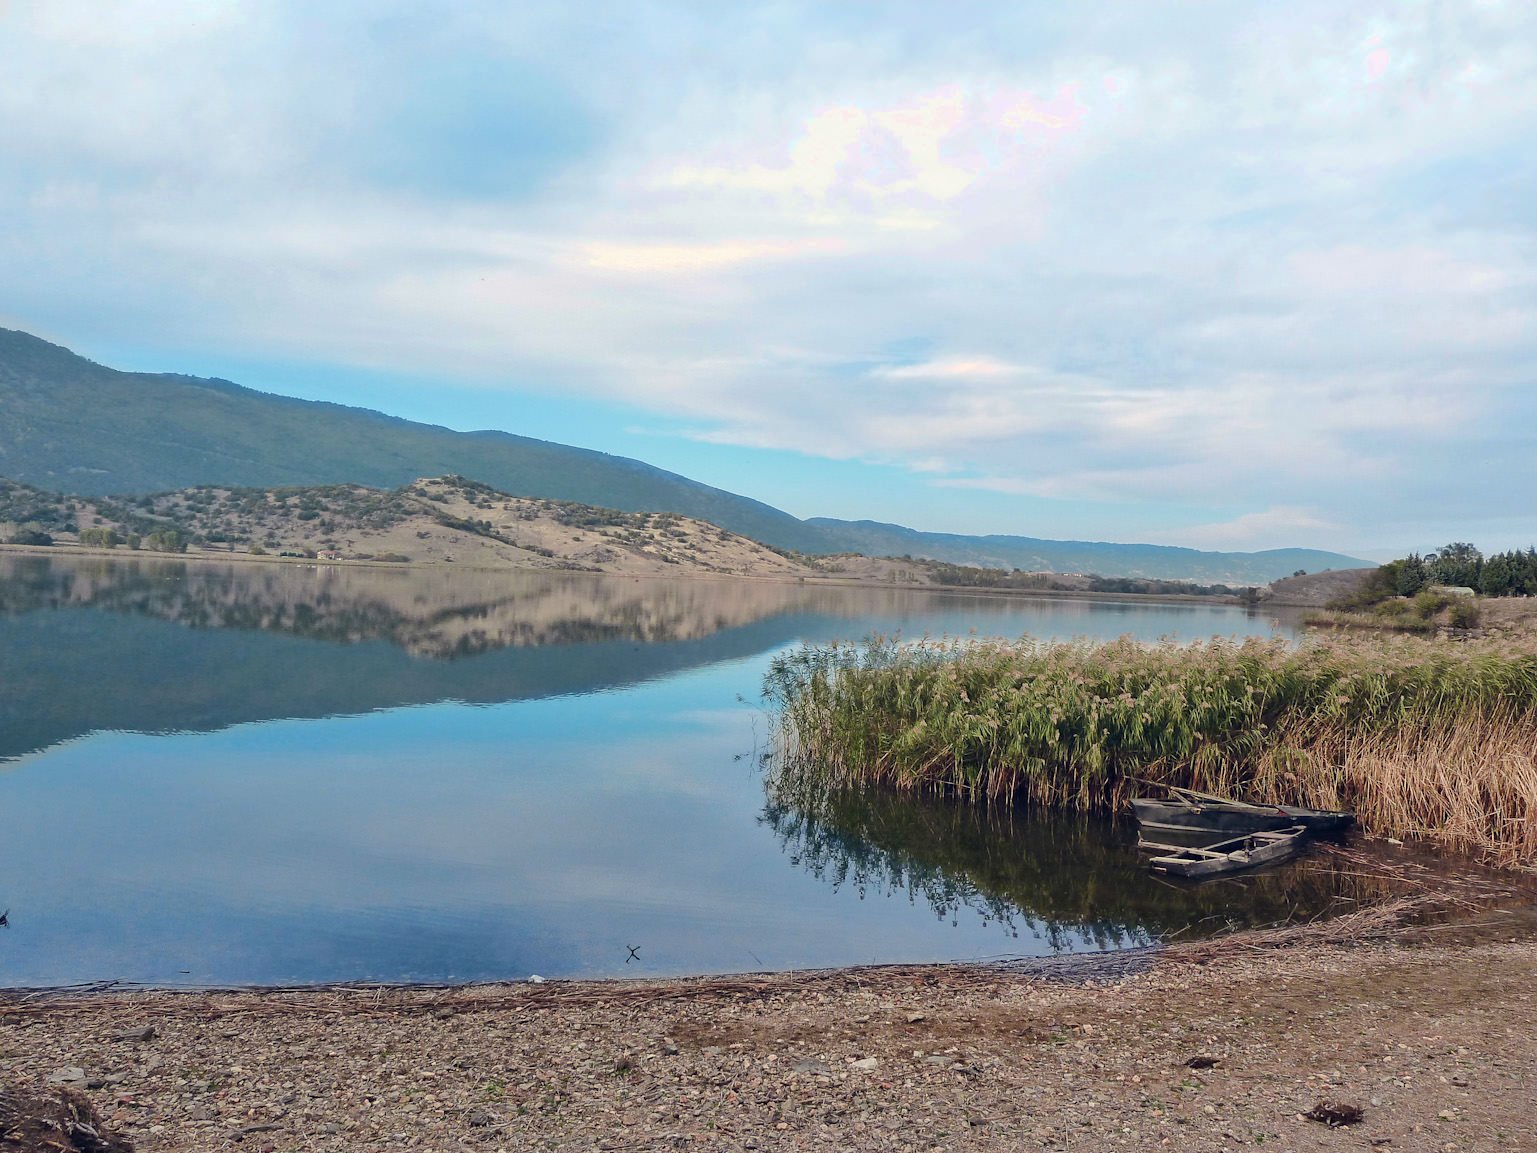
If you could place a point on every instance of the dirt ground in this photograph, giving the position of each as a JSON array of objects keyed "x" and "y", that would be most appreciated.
[{"x": 1430, "y": 1033}]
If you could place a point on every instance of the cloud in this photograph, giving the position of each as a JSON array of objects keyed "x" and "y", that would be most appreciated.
[
  {"x": 1236, "y": 262},
  {"x": 961, "y": 368},
  {"x": 1254, "y": 528},
  {"x": 665, "y": 258},
  {"x": 934, "y": 146}
]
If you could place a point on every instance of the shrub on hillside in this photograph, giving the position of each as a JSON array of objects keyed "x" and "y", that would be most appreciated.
[
  {"x": 1428, "y": 603},
  {"x": 1465, "y": 614}
]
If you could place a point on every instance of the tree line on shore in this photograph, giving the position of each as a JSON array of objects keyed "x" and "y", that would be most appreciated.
[
  {"x": 1460, "y": 565},
  {"x": 970, "y": 576}
]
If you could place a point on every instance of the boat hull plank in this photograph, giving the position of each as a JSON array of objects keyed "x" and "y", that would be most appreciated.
[
  {"x": 1237, "y": 854},
  {"x": 1235, "y": 817}
]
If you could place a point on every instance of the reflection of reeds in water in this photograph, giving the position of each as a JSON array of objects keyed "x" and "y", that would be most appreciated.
[
  {"x": 1058, "y": 875},
  {"x": 1422, "y": 739}
]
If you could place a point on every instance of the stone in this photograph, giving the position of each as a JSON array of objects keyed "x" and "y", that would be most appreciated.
[
  {"x": 261, "y": 1127},
  {"x": 1335, "y": 1113}
]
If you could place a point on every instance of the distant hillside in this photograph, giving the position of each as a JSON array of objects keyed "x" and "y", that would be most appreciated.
[
  {"x": 1161, "y": 562},
  {"x": 1316, "y": 590},
  {"x": 441, "y": 520},
  {"x": 71, "y": 425}
]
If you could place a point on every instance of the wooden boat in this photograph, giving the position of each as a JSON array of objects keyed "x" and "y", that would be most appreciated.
[
  {"x": 1193, "y": 812},
  {"x": 1250, "y": 851}
]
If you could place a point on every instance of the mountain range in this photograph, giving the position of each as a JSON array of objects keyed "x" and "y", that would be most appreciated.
[{"x": 70, "y": 424}]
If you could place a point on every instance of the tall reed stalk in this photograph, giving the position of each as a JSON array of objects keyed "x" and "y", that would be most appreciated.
[{"x": 1424, "y": 739}]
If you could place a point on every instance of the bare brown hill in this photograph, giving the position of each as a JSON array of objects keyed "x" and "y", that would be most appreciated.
[
  {"x": 443, "y": 520},
  {"x": 1315, "y": 590}
]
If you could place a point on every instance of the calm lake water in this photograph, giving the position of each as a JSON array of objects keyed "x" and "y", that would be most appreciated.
[{"x": 273, "y": 774}]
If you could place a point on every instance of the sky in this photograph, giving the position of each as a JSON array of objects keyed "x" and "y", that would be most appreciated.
[{"x": 1232, "y": 276}]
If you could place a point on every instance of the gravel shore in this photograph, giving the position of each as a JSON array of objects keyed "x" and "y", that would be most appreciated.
[{"x": 1210, "y": 1047}]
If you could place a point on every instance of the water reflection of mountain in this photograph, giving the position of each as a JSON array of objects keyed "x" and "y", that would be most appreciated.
[
  {"x": 150, "y": 645},
  {"x": 162, "y": 647},
  {"x": 445, "y": 613},
  {"x": 433, "y": 613},
  {"x": 1058, "y": 876}
]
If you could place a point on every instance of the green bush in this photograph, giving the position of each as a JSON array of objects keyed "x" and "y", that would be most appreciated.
[
  {"x": 100, "y": 538},
  {"x": 1465, "y": 614},
  {"x": 1427, "y": 604}
]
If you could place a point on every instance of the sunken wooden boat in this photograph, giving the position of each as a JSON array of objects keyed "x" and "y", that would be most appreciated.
[
  {"x": 1192, "y": 812},
  {"x": 1237, "y": 854}
]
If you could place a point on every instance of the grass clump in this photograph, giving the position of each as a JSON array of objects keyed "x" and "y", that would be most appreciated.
[
  {"x": 1422, "y": 739},
  {"x": 1390, "y": 616}
]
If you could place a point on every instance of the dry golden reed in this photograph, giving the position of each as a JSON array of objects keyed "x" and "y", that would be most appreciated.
[{"x": 1424, "y": 739}]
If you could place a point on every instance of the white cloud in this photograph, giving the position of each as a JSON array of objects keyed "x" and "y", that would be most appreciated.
[
  {"x": 961, "y": 368},
  {"x": 1257, "y": 529},
  {"x": 684, "y": 258},
  {"x": 924, "y": 152},
  {"x": 811, "y": 169}
]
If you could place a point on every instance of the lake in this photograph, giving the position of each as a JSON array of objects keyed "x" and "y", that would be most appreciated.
[{"x": 273, "y": 774}]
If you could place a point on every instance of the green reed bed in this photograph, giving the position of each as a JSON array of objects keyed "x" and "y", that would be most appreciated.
[{"x": 1424, "y": 739}]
